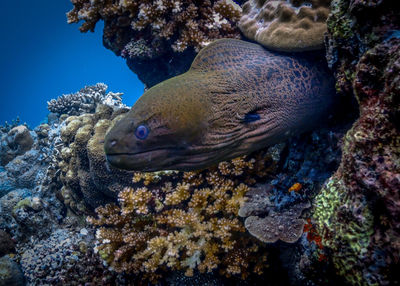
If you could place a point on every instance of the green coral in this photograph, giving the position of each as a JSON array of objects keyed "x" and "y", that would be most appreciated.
[
  {"x": 346, "y": 232},
  {"x": 22, "y": 204},
  {"x": 339, "y": 25}
]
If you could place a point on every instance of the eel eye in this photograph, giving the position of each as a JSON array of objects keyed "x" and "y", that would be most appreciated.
[{"x": 141, "y": 132}]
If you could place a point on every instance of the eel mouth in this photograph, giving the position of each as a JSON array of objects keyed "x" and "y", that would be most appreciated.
[
  {"x": 138, "y": 161},
  {"x": 156, "y": 160}
]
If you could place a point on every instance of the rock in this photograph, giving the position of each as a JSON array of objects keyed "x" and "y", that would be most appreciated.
[
  {"x": 52, "y": 118},
  {"x": 6, "y": 244},
  {"x": 43, "y": 263},
  {"x": 16, "y": 142},
  {"x": 10, "y": 273},
  {"x": 9, "y": 201},
  {"x": 357, "y": 212},
  {"x": 7, "y": 183},
  {"x": 25, "y": 169}
]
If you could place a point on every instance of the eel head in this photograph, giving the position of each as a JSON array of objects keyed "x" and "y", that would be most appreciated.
[{"x": 173, "y": 127}]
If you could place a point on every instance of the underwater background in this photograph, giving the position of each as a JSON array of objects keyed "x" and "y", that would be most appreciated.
[
  {"x": 264, "y": 148},
  {"x": 43, "y": 57}
]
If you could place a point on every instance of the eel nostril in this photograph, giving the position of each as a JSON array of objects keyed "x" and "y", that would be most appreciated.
[{"x": 113, "y": 143}]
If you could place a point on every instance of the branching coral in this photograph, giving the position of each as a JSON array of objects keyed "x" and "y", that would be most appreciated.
[
  {"x": 14, "y": 123},
  {"x": 85, "y": 101},
  {"x": 158, "y": 38},
  {"x": 160, "y": 208},
  {"x": 187, "y": 221},
  {"x": 187, "y": 23}
]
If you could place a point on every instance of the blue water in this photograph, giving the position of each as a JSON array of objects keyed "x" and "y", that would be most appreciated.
[{"x": 42, "y": 57}]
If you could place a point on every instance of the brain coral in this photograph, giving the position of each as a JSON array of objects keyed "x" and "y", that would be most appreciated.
[
  {"x": 84, "y": 172},
  {"x": 289, "y": 26}
]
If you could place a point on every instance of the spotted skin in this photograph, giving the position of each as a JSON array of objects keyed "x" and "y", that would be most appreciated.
[{"x": 201, "y": 117}]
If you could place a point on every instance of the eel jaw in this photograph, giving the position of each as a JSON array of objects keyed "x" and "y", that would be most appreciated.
[
  {"x": 154, "y": 161},
  {"x": 161, "y": 159},
  {"x": 144, "y": 161}
]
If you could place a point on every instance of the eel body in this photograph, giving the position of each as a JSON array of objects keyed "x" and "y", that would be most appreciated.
[{"x": 237, "y": 97}]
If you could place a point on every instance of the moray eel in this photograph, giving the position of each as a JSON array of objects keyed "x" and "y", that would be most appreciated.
[{"x": 237, "y": 97}]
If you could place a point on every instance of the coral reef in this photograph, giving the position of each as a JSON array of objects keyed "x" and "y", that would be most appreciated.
[
  {"x": 27, "y": 206},
  {"x": 185, "y": 221},
  {"x": 15, "y": 142},
  {"x": 289, "y": 26},
  {"x": 150, "y": 33},
  {"x": 275, "y": 205},
  {"x": 352, "y": 32},
  {"x": 14, "y": 123},
  {"x": 86, "y": 177},
  {"x": 186, "y": 23},
  {"x": 85, "y": 101},
  {"x": 45, "y": 261},
  {"x": 31, "y": 213},
  {"x": 24, "y": 171},
  {"x": 357, "y": 211},
  {"x": 188, "y": 221},
  {"x": 22, "y": 214},
  {"x": 6, "y": 243},
  {"x": 285, "y": 225},
  {"x": 10, "y": 272}
]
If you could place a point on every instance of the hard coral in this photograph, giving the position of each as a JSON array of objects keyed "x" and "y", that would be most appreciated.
[
  {"x": 286, "y": 227},
  {"x": 289, "y": 26},
  {"x": 357, "y": 212},
  {"x": 10, "y": 272},
  {"x": 6, "y": 243},
  {"x": 352, "y": 31},
  {"x": 269, "y": 224},
  {"x": 345, "y": 224},
  {"x": 85, "y": 101},
  {"x": 87, "y": 178},
  {"x": 16, "y": 142},
  {"x": 186, "y": 23},
  {"x": 186, "y": 221},
  {"x": 179, "y": 218},
  {"x": 8, "y": 126},
  {"x": 144, "y": 31}
]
